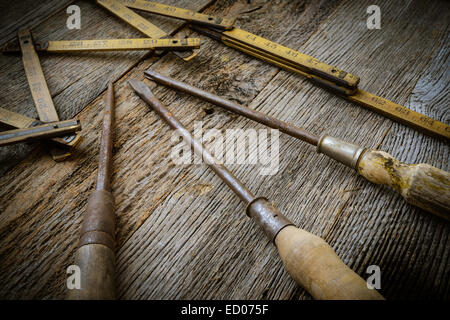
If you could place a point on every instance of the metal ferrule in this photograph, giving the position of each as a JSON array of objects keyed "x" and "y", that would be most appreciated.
[
  {"x": 267, "y": 217},
  {"x": 342, "y": 151}
]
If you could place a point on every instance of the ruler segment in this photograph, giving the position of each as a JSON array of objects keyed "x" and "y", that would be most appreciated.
[
  {"x": 36, "y": 80},
  {"x": 303, "y": 61},
  {"x": 122, "y": 44},
  {"x": 132, "y": 18},
  {"x": 179, "y": 13},
  {"x": 401, "y": 114},
  {"x": 43, "y": 131},
  {"x": 255, "y": 46},
  {"x": 19, "y": 121}
]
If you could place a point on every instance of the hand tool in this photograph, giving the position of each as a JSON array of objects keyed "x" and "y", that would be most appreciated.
[
  {"x": 40, "y": 93},
  {"x": 16, "y": 120},
  {"x": 106, "y": 45},
  {"x": 43, "y": 131},
  {"x": 308, "y": 258},
  {"x": 141, "y": 24},
  {"x": 95, "y": 255},
  {"x": 179, "y": 13},
  {"x": 329, "y": 77},
  {"x": 420, "y": 184}
]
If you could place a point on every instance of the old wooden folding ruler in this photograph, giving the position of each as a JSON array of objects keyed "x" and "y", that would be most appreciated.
[
  {"x": 42, "y": 101},
  {"x": 330, "y": 77},
  {"x": 158, "y": 38}
]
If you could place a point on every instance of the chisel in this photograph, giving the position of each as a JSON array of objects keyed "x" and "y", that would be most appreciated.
[
  {"x": 420, "y": 184},
  {"x": 95, "y": 255},
  {"x": 309, "y": 259}
]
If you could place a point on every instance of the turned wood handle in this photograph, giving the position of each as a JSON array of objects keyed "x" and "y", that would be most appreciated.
[
  {"x": 314, "y": 265},
  {"x": 95, "y": 255},
  {"x": 421, "y": 185}
]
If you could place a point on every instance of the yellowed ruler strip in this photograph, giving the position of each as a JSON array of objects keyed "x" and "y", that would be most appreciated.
[
  {"x": 122, "y": 44},
  {"x": 132, "y": 18},
  {"x": 179, "y": 13},
  {"x": 141, "y": 24},
  {"x": 287, "y": 66},
  {"x": 36, "y": 80},
  {"x": 303, "y": 61},
  {"x": 16, "y": 120}
]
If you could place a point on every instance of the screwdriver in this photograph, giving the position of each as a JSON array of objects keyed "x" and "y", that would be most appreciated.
[
  {"x": 95, "y": 255},
  {"x": 309, "y": 259},
  {"x": 421, "y": 184}
]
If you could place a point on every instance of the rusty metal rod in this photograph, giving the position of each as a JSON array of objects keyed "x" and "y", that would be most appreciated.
[
  {"x": 105, "y": 158},
  {"x": 144, "y": 92},
  {"x": 309, "y": 259},
  {"x": 95, "y": 254},
  {"x": 254, "y": 115}
]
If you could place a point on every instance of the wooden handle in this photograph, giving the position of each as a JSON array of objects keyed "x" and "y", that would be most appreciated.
[
  {"x": 421, "y": 185},
  {"x": 96, "y": 263},
  {"x": 95, "y": 255},
  {"x": 315, "y": 266}
]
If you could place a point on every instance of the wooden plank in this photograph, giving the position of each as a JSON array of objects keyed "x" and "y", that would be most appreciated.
[{"x": 74, "y": 80}]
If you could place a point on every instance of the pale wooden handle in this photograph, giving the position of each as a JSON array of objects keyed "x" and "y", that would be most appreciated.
[
  {"x": 96, "y": 263},
  {"x": 315, "y": 266},
  {"x": 421, "y": 185}
]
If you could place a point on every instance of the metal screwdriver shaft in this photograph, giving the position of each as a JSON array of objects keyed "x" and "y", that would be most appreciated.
[
  {"x": 254, "y": 115},
  {"x": 421, "y": 185},
  {"x": 95, "y": 255},
  {"x": 308, "y": 258}
]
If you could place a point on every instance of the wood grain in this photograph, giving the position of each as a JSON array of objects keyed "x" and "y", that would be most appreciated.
[{"x": 180, "y": 232}]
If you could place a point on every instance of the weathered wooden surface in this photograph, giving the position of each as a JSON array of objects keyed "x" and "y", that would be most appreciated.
[{"x": 181, "y": 233}]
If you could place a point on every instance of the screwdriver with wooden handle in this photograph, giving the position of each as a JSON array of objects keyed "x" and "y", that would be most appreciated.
[
  {"x": 95, "y": 255},
  {"x": 309, "y": 259},
  {"x": 421, "y": 184}
]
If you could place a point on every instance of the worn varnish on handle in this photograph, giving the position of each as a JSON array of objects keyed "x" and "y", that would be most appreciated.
[
  {"x": 420, "y": 184},
  {"x": 95, "y": 255},
  {"x": 309, "y": 259}
]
